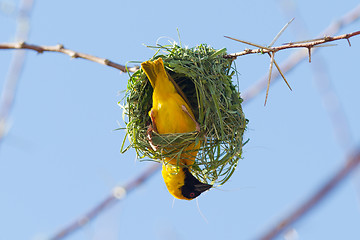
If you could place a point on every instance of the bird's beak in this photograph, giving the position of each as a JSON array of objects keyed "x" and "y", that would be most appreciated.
[{"x": 202, "y": 187}]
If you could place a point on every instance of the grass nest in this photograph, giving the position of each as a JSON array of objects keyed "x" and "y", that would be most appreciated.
[{"x": 205, "y": 77}]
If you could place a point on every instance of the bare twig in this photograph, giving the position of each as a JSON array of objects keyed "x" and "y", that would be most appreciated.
[
  {"x": 61, "y": 49},
  {"x": 112, "y": 199},
  {"x": 303, "y": 44},
  {"x": 118, "y": 194},
  {"x": 272, "y": 56},
  {"x": 309, "y": 44},
  {"x": 319, "y": 195},
  {"x": 300, "y": 55}
]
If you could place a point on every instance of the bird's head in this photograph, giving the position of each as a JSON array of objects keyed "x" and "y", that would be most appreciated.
[
  {"x": 192, "y": 187},
  {"x": 182, "y": 184}
]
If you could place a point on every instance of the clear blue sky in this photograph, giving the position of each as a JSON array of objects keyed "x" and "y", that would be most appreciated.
[{"x": 61, "y": 155}]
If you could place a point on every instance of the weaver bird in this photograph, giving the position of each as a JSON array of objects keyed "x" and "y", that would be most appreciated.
[{"x": 170, "y": 113}]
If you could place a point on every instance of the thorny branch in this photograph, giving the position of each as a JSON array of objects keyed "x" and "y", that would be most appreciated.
[
  {"x": 308, "y": 205},
  {"x": 302, "y": 44},
  {"x": 300, "y": 55},
  {"x": 61, "y": 49},
  {"x": 110, "y": 200},
  {"x": 309, "y": 44}
]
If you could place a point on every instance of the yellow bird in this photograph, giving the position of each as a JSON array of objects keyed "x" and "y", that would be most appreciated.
[{"x": 170, "y": 113}]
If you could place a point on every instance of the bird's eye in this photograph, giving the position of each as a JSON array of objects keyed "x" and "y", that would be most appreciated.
[{"x": 192, "y": 195}]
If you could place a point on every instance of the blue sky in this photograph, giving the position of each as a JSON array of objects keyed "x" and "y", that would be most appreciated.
[{"x": 62, "y": 156}]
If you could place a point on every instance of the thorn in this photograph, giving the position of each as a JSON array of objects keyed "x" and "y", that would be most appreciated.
[
  {"x": 281, "y": 31},
  {"x": 282, "y": 75},
  {"x": 348, "y": 40},
  {"x": 269, "y": 79},
  {"x": 249, "y": 43},
  {"x": 309, "y": 51}
]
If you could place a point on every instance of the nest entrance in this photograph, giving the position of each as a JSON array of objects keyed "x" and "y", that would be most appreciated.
[{"x": 187, "y": 86}]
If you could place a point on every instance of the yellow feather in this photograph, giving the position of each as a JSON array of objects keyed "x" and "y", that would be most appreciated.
[{"x": 168, "y": 116}]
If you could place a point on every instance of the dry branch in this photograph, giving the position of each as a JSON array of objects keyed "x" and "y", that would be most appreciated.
[
  {"x": 110, "y": 200},
  {"x": 61, "y": 49},
  {"x": 309, "y": 44},
  {"x": 300, "y": 55},
  {"x": 303, "y": 44},
  {"x": 261, "y": 49}
]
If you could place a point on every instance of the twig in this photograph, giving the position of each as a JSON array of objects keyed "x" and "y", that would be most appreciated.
[
  {"x": 110, "y": 200},
  {"x": 303, "y": 44},
  {"x": 319, "y": 195},
  {"x": 300, "y": 55},
  {"x": 271, "y": 55},
  {"x": 309, "y": 44},
  {"x": 61, "y": 49},
  {"x": 118, "y": 194}
]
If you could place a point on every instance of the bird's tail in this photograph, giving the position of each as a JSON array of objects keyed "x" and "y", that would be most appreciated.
[{"x": 154, "y": 70}]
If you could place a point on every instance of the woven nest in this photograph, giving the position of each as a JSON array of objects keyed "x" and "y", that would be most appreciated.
[{"x": 205, "y": 78}]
